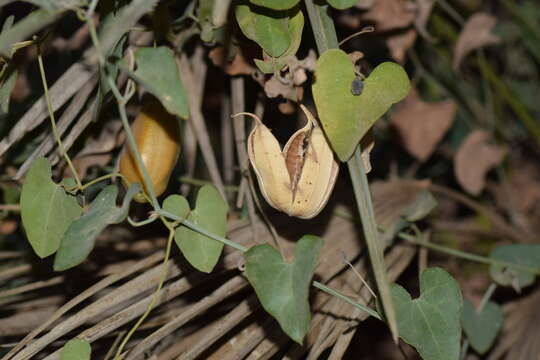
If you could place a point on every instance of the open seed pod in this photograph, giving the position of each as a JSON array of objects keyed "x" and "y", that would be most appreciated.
[{"x": 299, "y": 179}]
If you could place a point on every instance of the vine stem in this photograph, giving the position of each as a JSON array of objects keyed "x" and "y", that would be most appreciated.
[
  {"x": 202, "y": 231},
  {"x": 324, "y": 32},
  {"x": 101, "y": 178},
  {"x": 121, "y": 102},
  {"x": 463, "y": 255},
  {"x": 53, "y": 121},
  {"x": 487, "y": 295},
  {"x": 164, "y": 273},
  {"x": 347, "y": 299}
]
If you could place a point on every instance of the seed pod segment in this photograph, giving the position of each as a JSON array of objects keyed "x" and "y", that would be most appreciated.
[
  {"x": 299, "y": 179},
  {"x": 157, "y": 136}
]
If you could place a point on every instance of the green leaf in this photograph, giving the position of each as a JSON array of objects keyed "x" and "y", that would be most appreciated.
[
  {"x": 158, "y": 73},
  {"x": 210, "y": 213},
  {"x": 282, "y": 287},
  {"x": 46, "y": 210},
  {"x": 177, "y": 205},
  {"x": 345, "y": 117},
  {"x": 8, "y": 75},
  {"x": 112, "y": 68},
  {"x": 270, "y": 32},
  {"x": 26, "y": 27},
  {"x": 519, "y": 254},
  {"x": 125, "y": 19},
  {"x": 272, "y": 64},
  {"x": 76, "y": 349},
  {"x": 430, "y": 323},
  {"x": 342, "y": 4},
  {"x": 81, "y": 235},
  {"x": 204, "y": 14},
  {"x": 275, "y": 4},
  {"x": 8, "y": 23},
  {"x": 482, "y": 327}
]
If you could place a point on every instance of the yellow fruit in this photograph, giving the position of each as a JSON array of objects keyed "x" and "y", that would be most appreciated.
[{"x": 157, "y": 136}]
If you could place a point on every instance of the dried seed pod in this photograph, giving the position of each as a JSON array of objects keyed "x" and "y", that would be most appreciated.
[
  {"x": 157, "y": 136},
  {"x": 299, "y": 179}
]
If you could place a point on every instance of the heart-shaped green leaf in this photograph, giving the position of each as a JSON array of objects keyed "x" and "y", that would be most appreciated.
[
  {"x": 272, "y": 64},
  {"x": 519, "y": 254},
  {"x": 177, "y": 205},
  {"x": 342, "y": 4},
  {"x": 163, "y": 81},
  {"x": 346, "y": 117},
  {"x": 268, "y": 29},
  {"x": 481, "y": 327},
  {"x": 275, "y": 4},
  {"x": 210, "y": 213},
  {"x": 46, "y": 209},
  {"x": 283, "y": 288},
  {"x": 430, "y": 323},
  {"x": 76, "y": 349},
  {"x": 81, "y": 235}
]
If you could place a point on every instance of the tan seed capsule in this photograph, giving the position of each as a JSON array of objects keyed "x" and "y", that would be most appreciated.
[{"x": 299, "y": 179}]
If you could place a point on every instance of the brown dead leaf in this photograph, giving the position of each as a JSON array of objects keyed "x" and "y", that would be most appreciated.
[
  {"x": 8, "y": 226},
  {"x": 391, "y": 14},
  {"x": 355, "y": 56},
  {"x": 519, "y": 194},
  {"x": 274, "y": 88},
  {"x": 364, "y": 4},
  {"x": 237, "y": 66},
  {"x": 474, "y": 158},
  {"x": 287, "y": 107},
  {"x": 400, "y": 43},
  {"x": 424, "y": 8},
  {"x": 97, "y": 152},
  {"x": 367, "y": 144},
  {"x": 298, "y": 68},
  {"x": 422, "y": 125},
  {"x": 475, "y": 34},
  {"x": 82, "y": 164}
]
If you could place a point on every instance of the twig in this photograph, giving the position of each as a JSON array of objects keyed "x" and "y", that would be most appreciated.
[
  {"x": 53, "y": 121},
  {"x": 199, "y": 126},
  {"x": 102, "y": 284}
]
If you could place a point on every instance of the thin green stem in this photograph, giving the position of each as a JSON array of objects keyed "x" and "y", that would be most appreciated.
[
  {"x": 464, "y": 349},
  {"x": 324, "y": 32},
  {"x": 463, "y": 255},
  {"x": 53, "y": 121},
  {"x": 199, "y": 182},
  {"x": 456, "y": 16},
  {"x": 134, "y": 223},
  {"x": 487, "y": 295},
  {"x": 513, "y": 102},
  {"x": 347, "y": 299},
  {"x": 148, "y": 186},
  {"x": 322, "y": 26},
  {"x": 99, "y": 179},
  {"x": 164, "y": 273},
  {"x": 202, "y": 231},
  {"x": 371, "y": 234},
  {"x": 121, "y": 102},
  {"x": 91, "y": 9}
]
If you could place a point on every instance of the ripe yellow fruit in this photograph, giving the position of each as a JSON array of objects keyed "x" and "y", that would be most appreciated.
[{"x": 157, "y": 135}]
